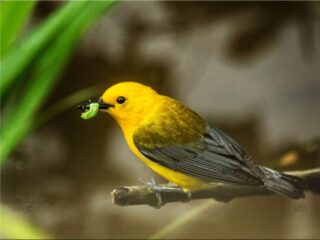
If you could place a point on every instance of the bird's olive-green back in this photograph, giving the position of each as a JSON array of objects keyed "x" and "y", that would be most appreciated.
[{"x": 171, "y": 123}]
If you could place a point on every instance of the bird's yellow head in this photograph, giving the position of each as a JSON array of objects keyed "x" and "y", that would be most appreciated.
[{"x": 128, "y": 103}]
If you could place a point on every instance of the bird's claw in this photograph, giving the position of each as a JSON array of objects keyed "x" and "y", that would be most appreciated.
[
  {"x": 189, "y": 196},
  {"x": 157, "y": 189}
]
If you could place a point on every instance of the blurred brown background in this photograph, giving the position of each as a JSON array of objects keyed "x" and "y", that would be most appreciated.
[{"x": 251, "y": 69}]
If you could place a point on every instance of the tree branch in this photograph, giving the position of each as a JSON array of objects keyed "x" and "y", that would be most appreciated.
[{"x": 157, "y": 196}]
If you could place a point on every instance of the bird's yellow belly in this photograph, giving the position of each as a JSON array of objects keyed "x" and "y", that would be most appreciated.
[{"x": 186, "y": 182}]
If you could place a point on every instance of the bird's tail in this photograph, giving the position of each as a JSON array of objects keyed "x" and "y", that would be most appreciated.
[{"x": 284, "y": 184}]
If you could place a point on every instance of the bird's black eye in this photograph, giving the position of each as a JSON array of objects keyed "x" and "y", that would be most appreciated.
[{"x": 121, "y": 100}]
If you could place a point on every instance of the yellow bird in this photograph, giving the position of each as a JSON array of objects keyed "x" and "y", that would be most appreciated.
[{"x": 178, "y": 144}]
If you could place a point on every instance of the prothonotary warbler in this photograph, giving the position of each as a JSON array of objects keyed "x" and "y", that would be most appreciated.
[{"x": 178, "y": 144}]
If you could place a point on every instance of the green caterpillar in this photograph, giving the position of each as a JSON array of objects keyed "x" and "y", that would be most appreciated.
[{"x": 91, "y": 112}]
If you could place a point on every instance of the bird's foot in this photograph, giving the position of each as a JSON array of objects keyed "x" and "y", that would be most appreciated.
[
  {"x": 157, "y": 189},
  {"x": 189, "y": 196}
]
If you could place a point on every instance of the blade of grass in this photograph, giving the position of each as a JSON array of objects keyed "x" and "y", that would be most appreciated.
[
  {"x": 47, "y": 69},
  {"x": 16, "y": 226},
  {"x": 182, "y": 220},
  {"x": 16, "y": 62},
  {"x": 13, "y": 16}
]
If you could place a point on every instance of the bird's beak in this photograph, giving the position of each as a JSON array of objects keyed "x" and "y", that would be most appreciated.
[{"x": 102, "y": 106}]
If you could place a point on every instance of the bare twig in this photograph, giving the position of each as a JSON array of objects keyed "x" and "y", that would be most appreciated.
[{"x": 145, "y": 194}]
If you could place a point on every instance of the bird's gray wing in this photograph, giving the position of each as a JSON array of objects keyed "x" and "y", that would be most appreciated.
[{"x": 213, "y": 157}]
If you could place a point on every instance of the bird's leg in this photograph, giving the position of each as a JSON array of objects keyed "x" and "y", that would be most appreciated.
[
  {"x": 165, "y": 188},
  {"x": 189, "y": 195},
  {"x": 157, "y": 189}
]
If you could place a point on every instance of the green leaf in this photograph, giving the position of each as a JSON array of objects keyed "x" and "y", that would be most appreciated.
[
  {"x": 13, "y": 16},
  {"x": 45, "y": 71},
  {"x": 18, "y": 60}
]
